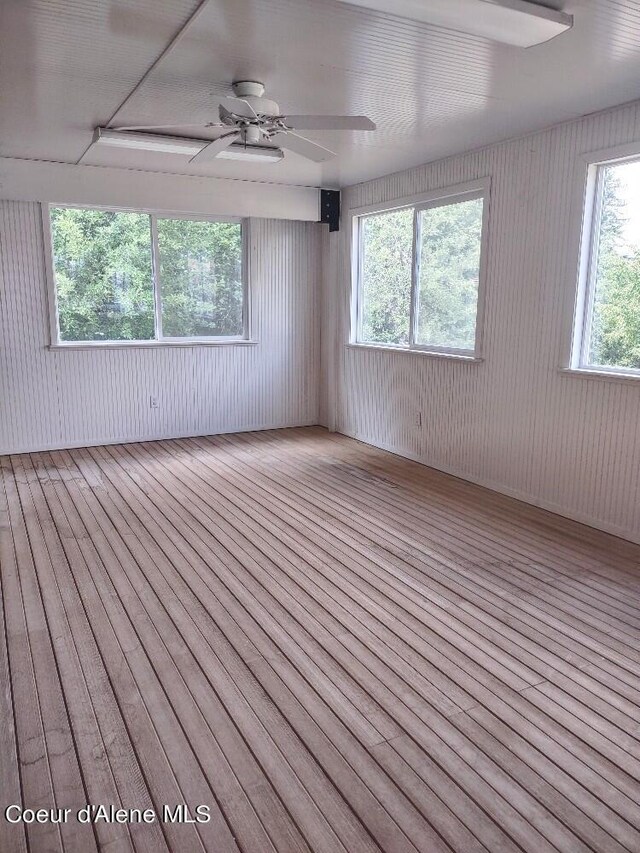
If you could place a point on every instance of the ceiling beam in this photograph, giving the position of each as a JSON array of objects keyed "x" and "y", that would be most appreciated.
[{"x": 63, "y": 183}]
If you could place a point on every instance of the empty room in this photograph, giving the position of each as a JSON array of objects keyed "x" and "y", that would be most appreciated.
[{"x": 319, "y": 426}]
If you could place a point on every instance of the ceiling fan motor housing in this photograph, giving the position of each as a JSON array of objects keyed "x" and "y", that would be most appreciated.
[
  {"x": 251, "y": 91},
  {"x": 248, "y": 89}
]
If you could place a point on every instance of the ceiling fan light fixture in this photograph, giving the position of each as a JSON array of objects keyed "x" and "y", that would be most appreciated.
[
  {"x": 245, "y": 123},
  {"x": 516, "y": 22}
]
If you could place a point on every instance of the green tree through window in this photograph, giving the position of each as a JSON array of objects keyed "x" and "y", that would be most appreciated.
[
  {"x": 450, "y": 238},
  {"x": 103, "y": 274},
  {"x": 387, "y": 241},
  {"x": 200, "y": 278}
]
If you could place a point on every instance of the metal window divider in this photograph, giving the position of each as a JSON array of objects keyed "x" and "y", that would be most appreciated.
[
  {"x": 155, "y": 265},
  {"x": 415, "y": 278}
]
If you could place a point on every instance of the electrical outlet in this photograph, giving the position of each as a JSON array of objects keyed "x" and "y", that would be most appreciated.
[
  {"x": 418, "y": 419},
  {"x": 153, "y": 402}
]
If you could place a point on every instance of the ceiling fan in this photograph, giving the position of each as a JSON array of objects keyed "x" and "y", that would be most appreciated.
[{"x": 249, "y": 118}]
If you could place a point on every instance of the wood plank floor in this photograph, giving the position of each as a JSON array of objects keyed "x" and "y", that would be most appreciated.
[{"x": 332, "y": 648}]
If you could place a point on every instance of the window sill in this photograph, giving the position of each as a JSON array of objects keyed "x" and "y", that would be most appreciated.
[
  {"x": 607, "y": 376},
  {"x": 454, "y": 356},
  {"x": 98, "y": 345}
]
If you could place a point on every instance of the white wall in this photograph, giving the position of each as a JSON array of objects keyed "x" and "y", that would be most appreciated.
[
  {"x": 52, "y": 399},
  {"x": 513, "y": 422}
]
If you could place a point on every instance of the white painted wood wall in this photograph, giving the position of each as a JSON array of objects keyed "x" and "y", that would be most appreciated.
[
  {"x": 52, "y": 399},
  {"x": 514, "y": 423}
]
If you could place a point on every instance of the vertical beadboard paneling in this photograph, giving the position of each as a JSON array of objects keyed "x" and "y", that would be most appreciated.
[
  {"x": 513, "y": 422},
  {"x": 65, "y": 398},
  {"x": 29, "y": 402}
]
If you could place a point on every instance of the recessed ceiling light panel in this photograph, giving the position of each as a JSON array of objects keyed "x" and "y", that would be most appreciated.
[{"x": 516, "y": 22}]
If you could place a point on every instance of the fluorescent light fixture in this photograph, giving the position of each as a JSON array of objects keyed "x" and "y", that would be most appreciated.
[
  {"x": 147, "y": 142},
  {"x": 258, "y": 153},
  {"x": 104, "y": 137},
  {"x": 516, "y": 22}
]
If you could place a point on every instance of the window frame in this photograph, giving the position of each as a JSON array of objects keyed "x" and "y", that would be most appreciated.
[
  {"x": 591, "y": 183},
  {"x": 425, "y": 201},
  {"x": 159, "y": 340}
]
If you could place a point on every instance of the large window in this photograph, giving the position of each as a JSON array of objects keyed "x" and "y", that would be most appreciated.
[
  {"x": 121, "y": 276},
  {"x": 607, "y": 334},
  {"x": 418, "y": 274}
]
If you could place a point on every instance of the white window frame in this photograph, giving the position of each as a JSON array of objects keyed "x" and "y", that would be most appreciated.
[
  {"x": 591, "y": 189},
  {"x": 419, "y": 203},
  {"x": 159, "y": 339}
]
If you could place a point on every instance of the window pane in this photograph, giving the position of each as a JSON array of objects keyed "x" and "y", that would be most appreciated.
[
  {"x": 385, "y": 285},
  {"x": 102, "y": 266},
  {"x": 200, "y": 278},
  {"x": 450, "y": 239},
  {"x": 615, "y": 324}
]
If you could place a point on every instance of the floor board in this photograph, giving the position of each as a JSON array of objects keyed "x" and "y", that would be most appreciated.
[{"x": 332, "y": 648}]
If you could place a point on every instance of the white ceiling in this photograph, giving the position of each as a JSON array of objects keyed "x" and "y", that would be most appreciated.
[{"x": 66, "y": 66}]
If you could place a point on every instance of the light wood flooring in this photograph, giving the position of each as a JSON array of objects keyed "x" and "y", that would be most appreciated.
[{"x": 334, "y": 649}]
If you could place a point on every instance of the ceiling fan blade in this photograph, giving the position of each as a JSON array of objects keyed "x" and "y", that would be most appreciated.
[
  {"x": 214, "y": 148},
  {"x": 238, "y": 107},
  {"x": 226, "y": 116},
  {"x": 329, "y": 122},
  {"x": 143, "y": 127},
  {"x": 304, "y": 147}
]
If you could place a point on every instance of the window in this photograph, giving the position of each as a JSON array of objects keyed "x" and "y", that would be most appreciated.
[
  {"x": 127, "y": 276},
  {"x": 607, "y": 333},
  {"x": 418, "y": 274}
]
